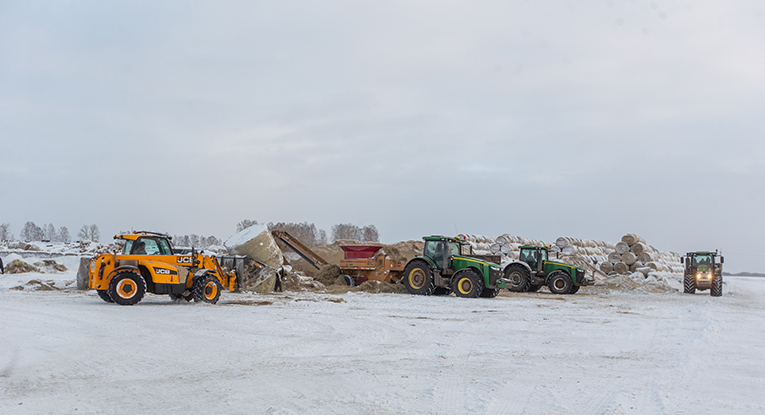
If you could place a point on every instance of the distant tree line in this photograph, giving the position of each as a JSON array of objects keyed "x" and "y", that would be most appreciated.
[
  {"x": 31, "y": 232},
  {"x": 311, "y": 236}
]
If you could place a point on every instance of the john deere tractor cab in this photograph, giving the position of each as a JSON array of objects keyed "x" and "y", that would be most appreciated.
[
  {"x": 703, "y": 271},
  {"x": 444, "y": 268},
  {"x": 533, "y": 269}
]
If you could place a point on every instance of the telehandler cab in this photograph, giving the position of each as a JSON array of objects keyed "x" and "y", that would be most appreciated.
[
  {"x": 533, "y": 269},
  {"x": 148, "y": 263}
]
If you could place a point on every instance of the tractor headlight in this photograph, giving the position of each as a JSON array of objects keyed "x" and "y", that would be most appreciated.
[{"x": 698, "y": 275}]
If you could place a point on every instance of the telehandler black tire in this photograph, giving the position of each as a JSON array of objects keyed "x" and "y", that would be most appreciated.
[
  {"x": 418, "y": 278},
  {"x": 689, "y": 284},
  {"x": 560, "y": 282},
  {"x": 467, "y": 283},
  {"x": 127, "y": 288},
  {"x": 717, "y": 283},
  {"x": 534, "y": 288},
  {"x": 206, "y": 289},
  {"x": 519, "y": 277},
  {"x": 104, "y": 294}
]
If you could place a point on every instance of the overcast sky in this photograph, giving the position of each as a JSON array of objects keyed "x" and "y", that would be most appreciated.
[{"x": 536, "y": 118}]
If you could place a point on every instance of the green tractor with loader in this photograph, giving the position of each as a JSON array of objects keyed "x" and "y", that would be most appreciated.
[
  {"x": 533, "y": 269},
  {"x": 443, "y": 269},
  {"x": 703, "y": 271}
]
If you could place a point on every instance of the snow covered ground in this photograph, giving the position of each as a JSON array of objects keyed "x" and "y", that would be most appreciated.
[{"x": 596, "y": 352}]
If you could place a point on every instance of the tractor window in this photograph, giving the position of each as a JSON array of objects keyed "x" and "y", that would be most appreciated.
[
  {"x": 453, "y": 249},
  {"x": 430, "y": 249},
  {"x": 146, "y": 246},
  {"x": 128, "y": 247},
  {"x": 435, "y": 251},
  {"x": 702, "y": 261},
  {"x": 164, "y": 247},
  {"x": 544, "y": 255}
]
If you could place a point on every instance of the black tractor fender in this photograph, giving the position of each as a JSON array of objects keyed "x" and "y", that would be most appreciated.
[
  {"x": 121, "y": 268},
  {"x": 201, "y": 273}
]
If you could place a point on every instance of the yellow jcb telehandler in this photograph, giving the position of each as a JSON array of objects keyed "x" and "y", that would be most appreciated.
[{"x": 148, "y": 263}]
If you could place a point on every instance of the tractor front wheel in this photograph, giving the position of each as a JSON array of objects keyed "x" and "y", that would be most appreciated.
[
  {"x": 716, "y": 290},
  {"x": 689, "y": 284},
  {"x": 574, "y": 289},
  {"x": 534, "y": 288},
  {"x": 560, "y": 282},
  {"x": 519, "y": 278},
  {"x": 467, "y": 284},
  {"x": 206, "y": 289},
  {"x": 418, "y": 278},
  {"x": 127, "y": 288}
]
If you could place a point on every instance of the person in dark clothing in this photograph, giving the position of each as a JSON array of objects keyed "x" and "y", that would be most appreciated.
[
  {"x": 2, "y": 270},
  {"x": 140, "y": 249}
]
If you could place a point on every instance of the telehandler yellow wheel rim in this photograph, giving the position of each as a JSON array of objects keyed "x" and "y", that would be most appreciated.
[
  {"x": 211, "y": 290},
  {"x": 417, "y": 278},
  {"x": 126, "y": 288},
  {"x": 465, "y": 285}
]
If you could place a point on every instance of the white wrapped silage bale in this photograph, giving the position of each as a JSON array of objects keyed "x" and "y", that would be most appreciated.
[
  {"x": 495, "y": 249},
  {"x": 646, "y": 257},
  {"x": 631, "y": 239},
  {"x": 506, "y": 249},
  {"x": 621, "y": 268},
  {"x": 629, "y": 258},
  {"x": 606, "y": 267},
  {"x": 622, "y": 248},
  {"x": 638, "y": 248},
  {"x": 614, "y": 257}
]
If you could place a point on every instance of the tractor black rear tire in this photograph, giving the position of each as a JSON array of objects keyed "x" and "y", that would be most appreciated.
[
  {"x": 560, "y": 282},
  {"x": 534, "y": 288},
  {"x": 127, "y": 288},
  {"x": 689, "y": 284},
  {"x": 206, "y": 289},
  {"x": 442, "y": 291},
  {"x": 717, "y": 289},
  {"x": 519, "y": 277},
  {"x": 489, "y": 292},
  {"x": 467, "y": 283},
  {"x": 104, "y": 295},
  {"x": 574, "y": 289},
  {"x": 418, "y": 279}
]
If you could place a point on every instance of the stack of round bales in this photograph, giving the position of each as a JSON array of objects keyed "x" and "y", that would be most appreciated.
[
  {"x": 633, "y": 254},
  {"x": 509, "y": 245}
]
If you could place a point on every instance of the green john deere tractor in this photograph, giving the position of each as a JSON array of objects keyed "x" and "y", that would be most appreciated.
[
  {"x": 443, "y": 269},
  {"x": 703, "y": 272},
  {"x": 532, "y": 270}
]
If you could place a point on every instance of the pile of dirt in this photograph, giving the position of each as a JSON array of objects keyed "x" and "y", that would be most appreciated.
[
  {"x": 50, "y": 266},
  {"x": 37, "y": 285},
  {"x": 379, "y": 287},
  {"x": 18, "y": 266},
  {"x": 298, "y": 281},
  {"x": 328, "y": 274}
]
